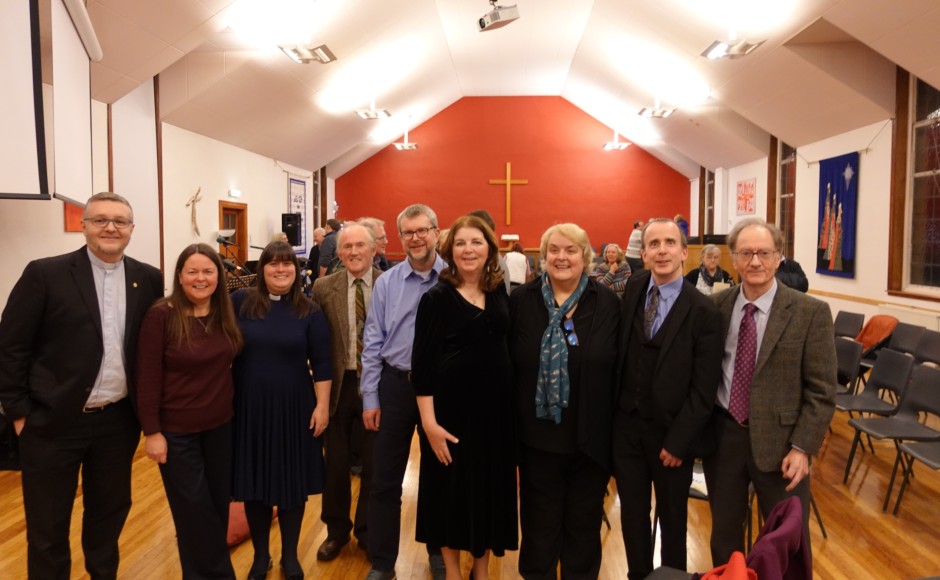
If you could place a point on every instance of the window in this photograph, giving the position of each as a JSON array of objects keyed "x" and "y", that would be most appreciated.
[
  {"x": 709, "y": 228},
  {"x": 786, "y": 197},
  {"x": 923, "y": 264}
]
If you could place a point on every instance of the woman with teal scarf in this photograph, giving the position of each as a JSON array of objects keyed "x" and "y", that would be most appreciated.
[{"x": 563, "y": 344}]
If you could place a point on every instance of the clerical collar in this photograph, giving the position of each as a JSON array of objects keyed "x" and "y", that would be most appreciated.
[
  {"x": 275, "y": 297},
  {"x": 96, "y": 261}
]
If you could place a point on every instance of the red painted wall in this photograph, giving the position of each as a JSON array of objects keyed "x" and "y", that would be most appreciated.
[{"x": 549, "y": 141}]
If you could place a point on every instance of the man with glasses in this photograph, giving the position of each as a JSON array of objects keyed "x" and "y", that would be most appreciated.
[
  {"x": 68, "y": 338},
  {"x": 377, "y": 227},
  {"x": 671, "y": 367},
  {"x": 388, "y": 397},
  {"x": 777, "y": 393}
]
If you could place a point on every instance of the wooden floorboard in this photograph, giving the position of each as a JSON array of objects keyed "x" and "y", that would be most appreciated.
[{"x": 863, "y": 542}]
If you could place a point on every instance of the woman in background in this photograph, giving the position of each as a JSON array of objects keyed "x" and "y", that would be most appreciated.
[
  {"x": 635, "y": 247},
  {"x": 461, "y": 373},
  {"x": 280, "y": 409},
  {"x": 709, "y": 272},
  {"x": 518, "y": 265},
  {"x": 563, "y": 345},
  {"x": 614, "y": 271},
  {"x": 184, "y": 401}
]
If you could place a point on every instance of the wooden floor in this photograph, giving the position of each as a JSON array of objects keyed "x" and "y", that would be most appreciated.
[{"x": 863, "y": 542}]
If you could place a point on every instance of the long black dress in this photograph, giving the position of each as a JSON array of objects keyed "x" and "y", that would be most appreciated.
[
  {"x": 276, "y": 459},
  {"x": 461, "y": 358}
]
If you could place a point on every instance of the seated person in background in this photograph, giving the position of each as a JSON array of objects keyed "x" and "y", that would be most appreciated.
[
  {"x": 709, "y": 272},
  {"x": 614, "y": 271},
  {"x": 791, "y": 274}
]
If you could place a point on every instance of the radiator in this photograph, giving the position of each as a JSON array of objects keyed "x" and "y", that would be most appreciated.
[{"x": 929, "y": 319}]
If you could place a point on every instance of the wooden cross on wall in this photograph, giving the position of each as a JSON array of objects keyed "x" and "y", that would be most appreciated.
[{"x": 509, "y": 182}]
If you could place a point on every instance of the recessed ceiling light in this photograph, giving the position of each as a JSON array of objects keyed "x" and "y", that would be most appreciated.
[
  {"x": 730, "y": 49},
  {"x": 304, "y": 54}
]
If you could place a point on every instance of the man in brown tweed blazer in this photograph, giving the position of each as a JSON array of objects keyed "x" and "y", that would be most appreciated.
[
  {"x": 788, "y": 388},
  {"x": 336, "y": 295}
]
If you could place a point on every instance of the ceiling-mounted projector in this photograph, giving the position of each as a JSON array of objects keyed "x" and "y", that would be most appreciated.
[{"x": 498, "y": 17}]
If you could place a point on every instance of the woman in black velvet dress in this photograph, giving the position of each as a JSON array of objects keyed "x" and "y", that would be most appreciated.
[{"x": 461, "y": 373}]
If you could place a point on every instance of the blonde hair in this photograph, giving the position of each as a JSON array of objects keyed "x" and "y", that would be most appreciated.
[{"x": 574, "y": 233}]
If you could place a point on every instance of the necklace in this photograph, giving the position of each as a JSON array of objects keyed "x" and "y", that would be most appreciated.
[
  {"x": 475, "y": 300},
  {"x": 201, "y": 323}
]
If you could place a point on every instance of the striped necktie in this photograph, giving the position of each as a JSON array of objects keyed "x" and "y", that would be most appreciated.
[
  {"x": 650, "y": 315},
  {"x": 360, "y": 322}
]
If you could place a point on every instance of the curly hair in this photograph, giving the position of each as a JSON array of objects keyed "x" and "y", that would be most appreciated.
[{"x": 492, "y": 272}]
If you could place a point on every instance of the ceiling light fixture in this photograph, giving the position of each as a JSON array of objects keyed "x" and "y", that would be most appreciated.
[
  {"x": 616, "y": 144},
  {"x": 372, "y": 113},
  {"x": 307, "y": 54},
  {"x": 656, "y": 111},
  {"x": 731, "y": 49},
  {"x": 405, "y": 145}
]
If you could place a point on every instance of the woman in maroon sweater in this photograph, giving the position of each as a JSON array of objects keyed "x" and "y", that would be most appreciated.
[{"x": 184, "y": 401}]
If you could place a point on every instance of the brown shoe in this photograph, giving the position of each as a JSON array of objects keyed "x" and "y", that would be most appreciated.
[{"x": 330, "y": 549}]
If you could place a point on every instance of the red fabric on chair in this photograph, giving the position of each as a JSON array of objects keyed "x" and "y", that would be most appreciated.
[
  {"x": 735, "y": 569},
  {"x": 878, "y": 328}
]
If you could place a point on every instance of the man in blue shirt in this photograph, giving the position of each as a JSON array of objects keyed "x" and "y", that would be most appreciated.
[{"x": 388, "y": 397}]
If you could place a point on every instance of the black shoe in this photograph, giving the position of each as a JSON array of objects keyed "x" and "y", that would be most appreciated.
[
  {"x": 292, "y": 570},
  {"x": 257, "y": 573}
]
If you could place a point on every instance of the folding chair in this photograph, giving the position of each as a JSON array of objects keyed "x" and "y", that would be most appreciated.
[
  {"x": 928, "y": 348},
  {"x": 848, "y": 357},
  {"x": 848, "y": 324},
  {"x": 927, "y": 452},
  {"x": 922, "y": 396},
  {"x": 904, "y": 339}
]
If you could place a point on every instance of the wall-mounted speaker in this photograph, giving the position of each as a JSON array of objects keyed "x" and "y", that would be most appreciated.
[{"x": 290, "y": 225}]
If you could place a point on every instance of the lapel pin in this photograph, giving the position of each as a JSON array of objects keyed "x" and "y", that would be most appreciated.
[{"x": 134, "y": 284}]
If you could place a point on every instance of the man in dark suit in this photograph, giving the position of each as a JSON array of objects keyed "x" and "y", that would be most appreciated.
[
  {"x": 671, "y": 366},
  {"x": 777, "y": 392},
  {"x": 68, "y": 338},
  {"x": 337, "y": 295}
]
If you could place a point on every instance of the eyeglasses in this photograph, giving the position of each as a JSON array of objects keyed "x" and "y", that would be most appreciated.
[
  {"x": 570, "y": 335},
  {"x": 102, "y": 222},
  {"x": 422, "y": 233},
  {"x": 745, "y": 256}
]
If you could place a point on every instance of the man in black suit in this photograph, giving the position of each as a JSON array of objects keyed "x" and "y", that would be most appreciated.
[
  {"x": 68, "y": 338},
  {"x": 671, "y": 368}
]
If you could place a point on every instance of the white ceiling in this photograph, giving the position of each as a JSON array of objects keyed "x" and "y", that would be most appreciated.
[{"x": 826, "y": 67}]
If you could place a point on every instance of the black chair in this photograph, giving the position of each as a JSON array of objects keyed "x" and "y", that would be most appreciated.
[
  {"x": 848, "y": 324},
  {"x": 928, "y": 348},
  {"x": 848, "y": 357},
  {"x": 905, "y": 338},
  {"x": 922, "y": 396},
  {"x": 927, "y": 452},
  {"x": 889, "y": 375}
]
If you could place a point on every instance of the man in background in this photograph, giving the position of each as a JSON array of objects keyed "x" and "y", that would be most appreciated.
[
  {"x": 377, "y": 227},
  {"x": 328, "y": 247},
  {"x": 313, "y": 258},
  {"x": 68, "y": 340}
]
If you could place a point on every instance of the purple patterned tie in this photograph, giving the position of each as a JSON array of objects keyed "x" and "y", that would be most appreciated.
[{"x": 745, "y": 356}]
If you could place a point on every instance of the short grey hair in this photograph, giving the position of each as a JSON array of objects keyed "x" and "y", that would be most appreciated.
[
  {"x": 107, "y": 196},
  {"x": 736, "y": 230},
  {"x": 573, "y": 232},
  {"x": 352, "y": 225},
  {"x": 413, "y": 211}
]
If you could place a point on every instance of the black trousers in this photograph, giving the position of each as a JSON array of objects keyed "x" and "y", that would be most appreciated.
[
  {"x": 637, "y": 466},
  {"x": 102, "y": 446},
  {"x": 561, "y": 500},
  {"x": 197, "y": 477},
  {"x": 340, "y": 446},
  {"x": 728, "y": 472},
  {"x": 391, "y": 449}
]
